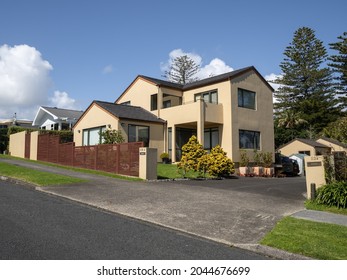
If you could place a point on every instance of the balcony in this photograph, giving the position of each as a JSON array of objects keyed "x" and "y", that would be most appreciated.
[{"x": 191, "y": 112}]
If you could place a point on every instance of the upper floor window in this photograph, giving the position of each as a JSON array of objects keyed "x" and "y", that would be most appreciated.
[
  {"x": 209, "y": 96},
  {"x": 167, "y": 104},
  {"x": 154, "y": 102},
  {"x": 246, "y": 99}
]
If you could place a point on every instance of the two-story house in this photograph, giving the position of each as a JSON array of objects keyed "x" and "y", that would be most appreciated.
[{"x": 234, "y": 110}]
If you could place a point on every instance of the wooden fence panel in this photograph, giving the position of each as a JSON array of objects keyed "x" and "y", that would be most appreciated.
[
  {"x": 116, "y": 158},
  {"x": 48, "y": 148},
  {"x": 27, "y": 145},
  {"x": 66, "y": 154}
]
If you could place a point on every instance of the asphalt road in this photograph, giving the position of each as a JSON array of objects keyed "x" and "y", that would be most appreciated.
[{"x": 35, "y": 225}]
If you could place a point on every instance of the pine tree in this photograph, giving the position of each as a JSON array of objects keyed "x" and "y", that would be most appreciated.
[
  {"x": 339, "y": 65},
  {"x": 182, "y": 70},
  {"x": 307, "y": 87}
]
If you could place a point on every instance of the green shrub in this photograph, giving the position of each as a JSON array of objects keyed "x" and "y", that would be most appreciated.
[
  {"x": 334, "y": 194},
  {"x": 244, "y": 162},
  {"x": 112, "y": 136},
  {"x": 192, "y": 151},
  {"x": 216, "y": 163},
  {"x": 164, "y": 155}
]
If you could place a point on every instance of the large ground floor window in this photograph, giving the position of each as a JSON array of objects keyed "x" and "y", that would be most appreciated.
[
  {"x": 249, "y": 139},
  {"x": 138, "y": 133},
  {"x": 211, "y": 139},
  {"x": 92, "y": 136}
]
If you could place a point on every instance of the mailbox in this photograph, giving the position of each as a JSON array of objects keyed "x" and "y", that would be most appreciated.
[{"x": 315, "y": 173}]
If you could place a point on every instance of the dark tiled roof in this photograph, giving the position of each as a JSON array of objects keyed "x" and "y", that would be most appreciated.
[
  {"x": 333, "y": 141},
  {"x": 64, "y": 113},
  {"x": 128, "y": 112},
  {"x": 312, "y": 143},
  {"x": 203, "y": 82},
  {"x": 162, "y": 82}
]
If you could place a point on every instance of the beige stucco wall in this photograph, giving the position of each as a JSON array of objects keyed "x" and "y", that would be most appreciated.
[
  {"x": 139, "y": 93},
  {"x": 334, "y": 147},
  {"x": 260, "y": 119},
  {"x": 17, "y": 144},
  {"x": 294, "y": 148},
  {"x": 34, "y": 138}
]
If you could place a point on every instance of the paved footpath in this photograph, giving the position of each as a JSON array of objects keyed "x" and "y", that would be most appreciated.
[
  {"x": 322, "y": 217},
  {"x": 237, "y": 212}
]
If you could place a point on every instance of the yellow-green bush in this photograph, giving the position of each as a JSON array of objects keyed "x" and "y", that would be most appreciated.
[{"x": 216, "y": 164}]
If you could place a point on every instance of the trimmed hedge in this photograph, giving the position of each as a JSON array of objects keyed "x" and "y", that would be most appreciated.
[{"x": 334, "y": 194}]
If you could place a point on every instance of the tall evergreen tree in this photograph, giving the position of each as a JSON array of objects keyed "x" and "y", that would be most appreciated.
[
  {"x": 182, "y": 70},
  {"x": 306, "y": 87},
  {"x": 339, "y": 65}
]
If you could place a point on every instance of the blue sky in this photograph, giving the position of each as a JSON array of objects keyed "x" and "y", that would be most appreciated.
[{"x": 67, "y": 53}]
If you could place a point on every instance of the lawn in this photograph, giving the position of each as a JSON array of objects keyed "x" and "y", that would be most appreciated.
[
  {"x": 35, "y": 177},
  {"x": 312, "y": 239},
  {"x": 170, "y": 171}
]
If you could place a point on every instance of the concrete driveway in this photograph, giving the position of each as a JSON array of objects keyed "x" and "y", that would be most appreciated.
[{"x": 234, "y": 211}]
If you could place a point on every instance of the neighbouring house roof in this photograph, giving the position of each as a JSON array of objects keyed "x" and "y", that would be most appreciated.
[
  {"x": 200, "y": 83},
  {"x": 56, "y": 114},
  {"x": 309, "y": 142},
  {"x": 333, "y": 141},
  {"x": 128, "y": 112},
  {"x": 12, "y": 122}
]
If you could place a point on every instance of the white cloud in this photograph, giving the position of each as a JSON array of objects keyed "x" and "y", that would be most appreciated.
[
  {"x": 62, "y": 100},
  {"x": 107, "y": 69},
  {"x": 272, "y": 77},
  {"x": 25, "y": 83},
  {"x": 215, "y": 67},
  {"x": 24, "y": 79}
]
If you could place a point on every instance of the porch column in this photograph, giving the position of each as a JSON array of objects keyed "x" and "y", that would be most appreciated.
[
  {"x": 173, "y": 144},
  {"x": 201, "y": 121},
  {"x": 159, "y": 100}
]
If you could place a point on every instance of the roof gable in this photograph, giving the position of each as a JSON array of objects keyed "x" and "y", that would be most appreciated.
[
  {"x": 55, "y": 113},
  {"x": 309, "y": 142},
  {"x": 125, "y": 112},
  {"x": 335, "y": 142}
]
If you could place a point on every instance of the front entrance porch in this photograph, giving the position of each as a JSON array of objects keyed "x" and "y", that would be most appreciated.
[{"x": 182, "y": 134}]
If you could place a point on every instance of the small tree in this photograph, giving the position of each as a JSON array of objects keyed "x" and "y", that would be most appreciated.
[
  {"x": 192, "y": 151},
  {"x": 258, "y": 158},
  {"x": 112, "y": 136},
  {"x": 244, "y": 159}
]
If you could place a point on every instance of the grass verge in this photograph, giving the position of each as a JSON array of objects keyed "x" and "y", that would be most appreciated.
[
  {"x": 76, "y": 169},
  {"x": 35, "y": 177},
  {"x": 312, "y": 239},
  {"x": 311, "y": 205}
]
